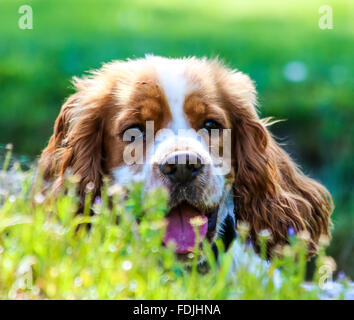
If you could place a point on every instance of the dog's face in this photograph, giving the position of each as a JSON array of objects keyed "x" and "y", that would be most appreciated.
[
  {"x": 170, "y": 131},
  {"x": 191, "y": 127}
]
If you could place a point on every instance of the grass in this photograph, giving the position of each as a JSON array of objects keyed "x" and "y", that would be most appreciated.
[{"x": 47, "y": 251}]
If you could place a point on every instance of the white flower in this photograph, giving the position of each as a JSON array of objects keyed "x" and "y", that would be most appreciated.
[
  {"x": 127, "y": 265},
  {"x": 265, "y": 233}
]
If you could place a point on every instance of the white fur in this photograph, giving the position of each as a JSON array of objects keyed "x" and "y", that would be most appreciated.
[
  {"x": 125, "y": 175},
  {"x": 172, "y": 79},
  {"x": 244, "y": 257}
]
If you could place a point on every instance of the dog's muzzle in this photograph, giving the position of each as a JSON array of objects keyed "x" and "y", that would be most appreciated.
[{"x": 182, "y": 170}]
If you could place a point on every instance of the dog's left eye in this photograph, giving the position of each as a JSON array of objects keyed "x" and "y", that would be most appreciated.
[{"x": 211, "y": 124}]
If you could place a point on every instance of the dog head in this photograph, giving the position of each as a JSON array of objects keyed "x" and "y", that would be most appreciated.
[{"x": 190, "y": 126}]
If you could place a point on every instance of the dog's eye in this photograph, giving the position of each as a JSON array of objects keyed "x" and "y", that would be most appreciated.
[
  {"x": 133, "y": 133},
  {"x": 211, "y": 124}
]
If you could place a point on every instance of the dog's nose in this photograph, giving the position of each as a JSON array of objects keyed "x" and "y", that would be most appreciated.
[{"x": 182, "y": 168}]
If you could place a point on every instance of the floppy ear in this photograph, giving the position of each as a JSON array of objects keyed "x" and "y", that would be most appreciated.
[
  {"x": 270, "y": 190},
  {"x": 77, "y": 140},
  {"x": 51, "y": 157}
]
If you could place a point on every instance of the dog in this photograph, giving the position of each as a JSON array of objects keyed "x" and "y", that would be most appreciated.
[{"x": 125, "y": 120}]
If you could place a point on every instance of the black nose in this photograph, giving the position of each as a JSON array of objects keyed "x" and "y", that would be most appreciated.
[{"x": 182, "y": 168}]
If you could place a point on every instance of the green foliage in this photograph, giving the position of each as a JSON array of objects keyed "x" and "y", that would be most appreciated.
[{"x": 47, "y": 251}]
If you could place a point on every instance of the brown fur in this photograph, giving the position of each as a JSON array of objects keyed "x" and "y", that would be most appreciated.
[{"x": 271, "y": 192}]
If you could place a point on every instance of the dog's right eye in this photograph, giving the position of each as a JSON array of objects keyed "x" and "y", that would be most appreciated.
[{"x": 133, "y": 133}]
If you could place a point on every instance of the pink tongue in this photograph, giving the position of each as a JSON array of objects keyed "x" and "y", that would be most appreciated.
[{"x": 179, "y": 229}]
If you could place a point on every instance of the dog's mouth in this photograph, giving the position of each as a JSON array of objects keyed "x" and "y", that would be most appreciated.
[{"x": 181, "y": 223}]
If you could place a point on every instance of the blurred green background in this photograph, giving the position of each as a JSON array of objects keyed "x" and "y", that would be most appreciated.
[{"x": 303, "y": 74}]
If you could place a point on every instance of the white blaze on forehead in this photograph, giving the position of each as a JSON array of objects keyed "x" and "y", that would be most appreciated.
[{"x": 171, "y": 73}]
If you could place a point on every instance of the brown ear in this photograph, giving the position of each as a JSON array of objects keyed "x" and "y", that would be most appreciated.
[
  {"x": 77, "y": 140},
  {"x": 51, "y": 158},
  {"x": 270, "y": 191}
]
